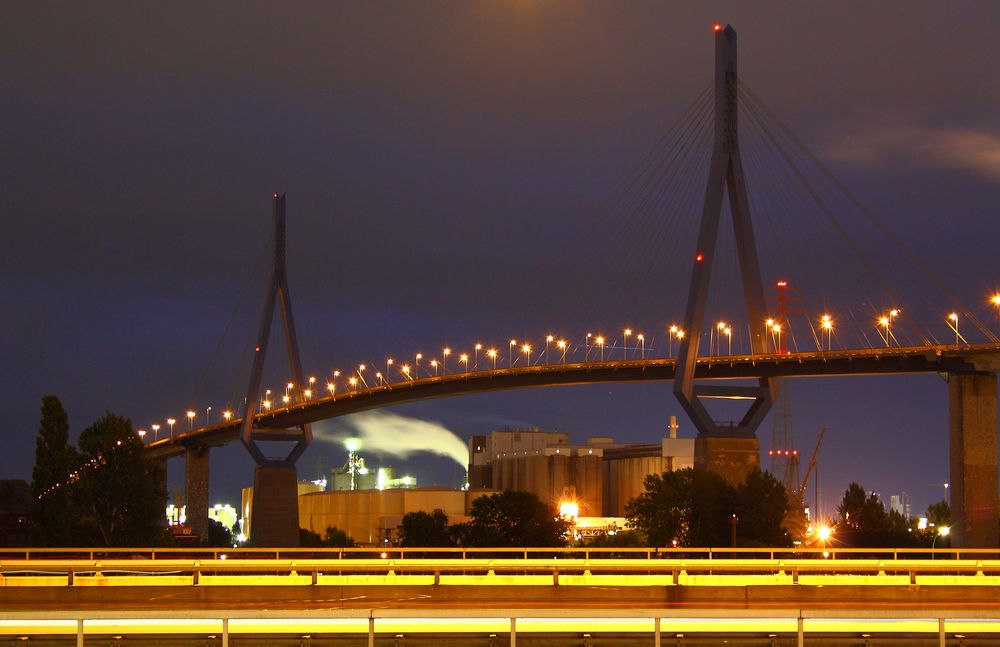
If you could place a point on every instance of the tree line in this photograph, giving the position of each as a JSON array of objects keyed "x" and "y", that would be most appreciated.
[{"x": 105, "y": 491}]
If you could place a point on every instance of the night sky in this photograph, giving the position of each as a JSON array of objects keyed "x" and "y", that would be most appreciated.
[{"x": 446, "y": 164}]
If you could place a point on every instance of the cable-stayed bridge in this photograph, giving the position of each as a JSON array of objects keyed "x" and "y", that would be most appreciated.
[{"x": 732, "y": 339}]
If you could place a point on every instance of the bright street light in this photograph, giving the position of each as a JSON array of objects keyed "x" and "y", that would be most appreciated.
[
  {"x": 562, "y": 346},
  {"x": 444, "y": 360},
  {"x": 434, "y": 365},
  {"x": 628, "y": 332},
  {"x": 190, "y": 416},
  {"x": 953, "y": 324},
  {"x": 642, "y": 345},
  {"x": 527, "y": 351},
  {"x": 406, "y": 371},
  {"x": 510, "y": 353},
  {"x": 826, "y": 323},
  {"x": 670, "y": 340},
  {"x": 156, "y": 428},
  {"x": 600, "y": 342},
  {"x": 464, "y": 358},
  {"x": 493, "y": 355},
  {"x": 548, "y": 340}
]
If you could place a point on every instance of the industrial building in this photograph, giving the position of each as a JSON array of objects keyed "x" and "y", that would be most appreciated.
[
  {"x": 372, "y": 516},
  {"x": 601, "y": 474}
]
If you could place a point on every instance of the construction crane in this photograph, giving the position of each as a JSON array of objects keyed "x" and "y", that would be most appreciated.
[{"x": 810, "y": 468}]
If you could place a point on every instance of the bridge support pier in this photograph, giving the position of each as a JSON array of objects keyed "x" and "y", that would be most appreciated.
[
  {"x": 274, "y": 513},
  {"x": 732, "y": 458},
  {"x": 972, "y": 419},
  {"x": 196, "y": 490}
]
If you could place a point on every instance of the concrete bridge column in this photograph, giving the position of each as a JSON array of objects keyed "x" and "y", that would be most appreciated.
[
  {"x": 196, "y": 489},
  {"x": 972, "y": 419},
  {"x": 274, "y": 511},
  {"x": 731, "y": 458}
]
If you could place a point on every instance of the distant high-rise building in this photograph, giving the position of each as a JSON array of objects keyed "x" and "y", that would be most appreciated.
[{"x": 902, "y": 504}]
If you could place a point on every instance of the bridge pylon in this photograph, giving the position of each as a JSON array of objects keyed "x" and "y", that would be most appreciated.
[
  {"x": 274, "y": 508},
  {"x": 730, "y": 450}
]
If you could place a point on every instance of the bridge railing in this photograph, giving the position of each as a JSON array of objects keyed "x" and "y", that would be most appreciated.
[{"x": 399, "y": 554}]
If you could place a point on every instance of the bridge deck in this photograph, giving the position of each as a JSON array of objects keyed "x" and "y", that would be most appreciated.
[{"x": 933, "y": 359}]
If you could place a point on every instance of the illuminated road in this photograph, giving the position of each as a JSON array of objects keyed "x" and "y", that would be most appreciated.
[{"x": 881, "y": 361}]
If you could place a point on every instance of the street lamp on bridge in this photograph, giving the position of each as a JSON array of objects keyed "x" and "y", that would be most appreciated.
[
  {"x": 444, "y": 360},
  {"x": 953, "y": 324},
  {"x": 492, "y": 353},
  {"x": 190, "y": 416},
  {"x": 562, "y": 346},
  {"x": 628, "y": 332},
  {"x": 155, "y": 428},
  {"x": 527, "y": 352},
  {"x": 600, "y": 343}
]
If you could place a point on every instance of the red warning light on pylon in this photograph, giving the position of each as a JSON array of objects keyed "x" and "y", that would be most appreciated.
[
  {"x": 717, "y": 27},
  {"x": 782, "y": 284},
  {"x": 699, "y": 257}
]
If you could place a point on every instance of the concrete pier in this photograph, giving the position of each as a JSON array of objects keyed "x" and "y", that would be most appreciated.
[
  {"x": 196, "y": 489},
  {"x": 731, "y": 458},
  {"x": 972, "y": 421},
  {"x": 274, "y": 512}
]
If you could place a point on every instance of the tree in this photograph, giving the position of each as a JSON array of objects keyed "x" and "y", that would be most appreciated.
[
  {"x": 694, "y": 507},
  {"x": 333, "y": 538},
  {"x": 864, "y": 523},
  {"x": 120, "y": 495},
  {"x": 689, "y": 506},
  {"x": 939, "y": 514},
  {"x": 218, "y": 535},
  {"x": 309, "y": 539},
  {"x": 762, "y": 509},
  {"x": 512, "y": 518},
  {"x": 55, "y": 459},
  {"x": 337, "y": 538},
  {"x": 422, "y": 529}
]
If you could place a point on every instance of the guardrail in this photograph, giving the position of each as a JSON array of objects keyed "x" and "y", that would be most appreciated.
[
  {"x": 398, "y": 553},
  {"x": 62, "y": 572}
]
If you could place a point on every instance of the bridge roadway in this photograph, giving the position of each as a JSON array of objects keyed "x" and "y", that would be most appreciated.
[
  {"x": 880, "y": 361},
  {"x": 357, "y": 594}
]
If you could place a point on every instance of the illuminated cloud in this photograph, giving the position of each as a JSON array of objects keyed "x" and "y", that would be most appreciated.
[{"x": 963, "y": 149}]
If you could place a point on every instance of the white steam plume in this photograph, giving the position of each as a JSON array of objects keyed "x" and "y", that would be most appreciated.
[{"x": 389, "y": 433}]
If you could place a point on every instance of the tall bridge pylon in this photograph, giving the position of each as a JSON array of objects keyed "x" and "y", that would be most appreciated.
[
  {"x": 275, "y": 509},
  {"x": 730, "y": 450}
]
